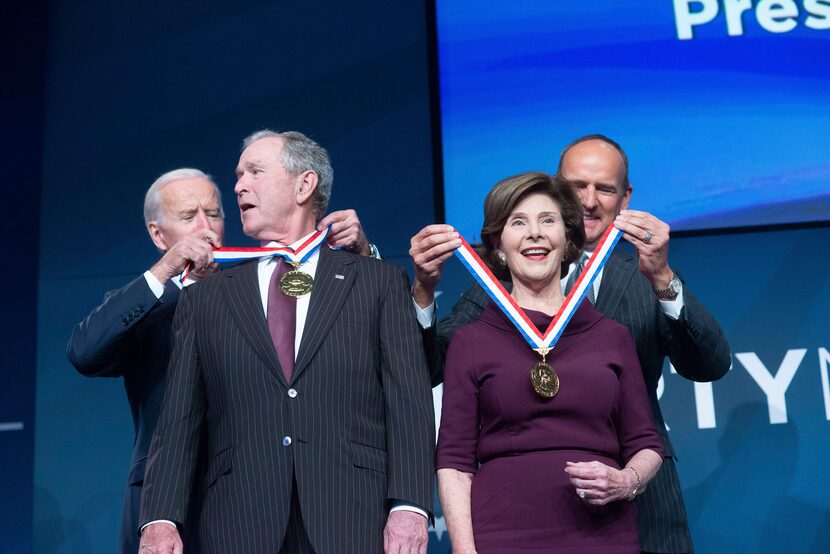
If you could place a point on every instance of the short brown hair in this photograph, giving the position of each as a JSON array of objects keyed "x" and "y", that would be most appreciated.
[{"x": 502, "y": 200}]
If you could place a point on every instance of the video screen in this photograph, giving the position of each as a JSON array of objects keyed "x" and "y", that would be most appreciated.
[{"x": 722, "y": 107}]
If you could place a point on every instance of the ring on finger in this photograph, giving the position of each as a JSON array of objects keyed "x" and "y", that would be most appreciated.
[
  {"x": 582, "y": 494},
  {"x": 647, "y": 238}
]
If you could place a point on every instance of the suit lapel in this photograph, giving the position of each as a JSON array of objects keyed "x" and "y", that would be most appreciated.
[
  {"x": 332, "y": 282},
  {"x": 241, "y": 291},
  {"x": 616, "y": 275}
]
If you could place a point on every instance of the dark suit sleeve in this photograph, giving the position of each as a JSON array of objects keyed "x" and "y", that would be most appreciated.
[
  {"x": 105, "y": 338},
  {"x": 695, "y": 343},
  {"x": 410, "y": 424},
  {"x": 437, "y": 338},
  {"x": 173, "y": 453}
]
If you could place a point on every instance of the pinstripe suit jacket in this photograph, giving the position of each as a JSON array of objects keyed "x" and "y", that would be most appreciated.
[
  {"x": 694, "y": 343},
  {"x": 360, "y": 426}
]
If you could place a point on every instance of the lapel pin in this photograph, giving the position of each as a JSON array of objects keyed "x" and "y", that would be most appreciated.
[{"x": 338, "y": 276}]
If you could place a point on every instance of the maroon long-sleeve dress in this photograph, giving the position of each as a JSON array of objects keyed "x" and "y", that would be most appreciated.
[{"x": 516, "y": 442}]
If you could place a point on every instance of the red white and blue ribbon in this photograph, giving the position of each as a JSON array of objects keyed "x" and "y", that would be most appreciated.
[
  {"x": 542, "y": 342},
  {"x": 230, "y": 254}
]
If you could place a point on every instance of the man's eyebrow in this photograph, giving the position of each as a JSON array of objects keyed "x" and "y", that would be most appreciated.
[{"x": 248, "y": 164}]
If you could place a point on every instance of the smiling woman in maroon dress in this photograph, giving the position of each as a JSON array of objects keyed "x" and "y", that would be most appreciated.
[{"x": 519, "y": 472}]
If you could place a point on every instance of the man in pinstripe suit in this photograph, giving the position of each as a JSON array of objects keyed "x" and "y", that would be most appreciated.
[
  {"x": 328, "y": 448},
  {"x": 638, "y": 290}
]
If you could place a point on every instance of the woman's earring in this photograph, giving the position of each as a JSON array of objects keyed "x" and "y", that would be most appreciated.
[{"x": 502, "y": 257}]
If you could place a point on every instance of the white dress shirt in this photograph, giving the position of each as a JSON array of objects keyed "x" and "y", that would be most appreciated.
[
  {"x": 157, "y": 287},
  {"x": 265, "y": 269}
]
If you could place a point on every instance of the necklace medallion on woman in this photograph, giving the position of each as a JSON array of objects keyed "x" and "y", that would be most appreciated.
[{"x": 543, "y": 378}]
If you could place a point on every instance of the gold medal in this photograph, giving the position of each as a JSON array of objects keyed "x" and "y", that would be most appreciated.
[
  {"x": 295, "y": 282},
  {"x": 543, "y": 377}
]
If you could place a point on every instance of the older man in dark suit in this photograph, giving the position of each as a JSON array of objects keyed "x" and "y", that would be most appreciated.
[
  {"x": 639, "y": 290},
  {"x": 311, "y": 384},
  {"x": 129, "y": 334}
]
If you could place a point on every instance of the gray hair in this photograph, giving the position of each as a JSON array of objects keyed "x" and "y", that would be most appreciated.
[
  {"x": 300, "y": 153},
  {"x": 152, "y": 200}
]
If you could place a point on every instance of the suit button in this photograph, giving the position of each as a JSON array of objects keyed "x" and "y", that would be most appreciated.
[
  {"x": 286, "y": 441},
  {"x": 292, "y": 393}
]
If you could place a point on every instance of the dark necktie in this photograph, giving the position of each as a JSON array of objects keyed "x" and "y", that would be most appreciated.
[
  {"x": 575, "y": 275},
  {"x": 282, "y": 319}
]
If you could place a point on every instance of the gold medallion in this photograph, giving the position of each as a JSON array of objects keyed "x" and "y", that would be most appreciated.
[
  {"x": 544, "y": 379},
  {"x": 296, "y": 283}
]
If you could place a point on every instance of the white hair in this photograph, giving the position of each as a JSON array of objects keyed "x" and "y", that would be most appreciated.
[
  {"x": 300, "y": 153},
  {"x": 152, "y": 200}
]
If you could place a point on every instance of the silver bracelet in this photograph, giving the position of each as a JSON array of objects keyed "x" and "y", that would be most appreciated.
[{"x": 637, "y": 486}]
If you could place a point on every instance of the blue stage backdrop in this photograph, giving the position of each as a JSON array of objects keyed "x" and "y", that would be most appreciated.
[
  {"x": 722, "y": 109},
  {"x": 21, "y": 129},
  {"x": 131, "y": 92}
]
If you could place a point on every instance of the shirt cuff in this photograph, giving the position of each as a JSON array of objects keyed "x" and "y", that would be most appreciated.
[
  {"x": 154, "y": 284},
  {"x": 398, "y": 505},
  {"x": 672, "y": 308},
  {"x": 167, "y": 521},
  {"x": 426, "y": 316}
]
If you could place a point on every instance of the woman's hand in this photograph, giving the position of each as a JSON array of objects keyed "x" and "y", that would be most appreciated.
[{"x": 599, "y": 484}]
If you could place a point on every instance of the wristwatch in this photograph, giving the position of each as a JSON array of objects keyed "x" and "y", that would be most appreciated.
[{"x": 671, "y": 292}]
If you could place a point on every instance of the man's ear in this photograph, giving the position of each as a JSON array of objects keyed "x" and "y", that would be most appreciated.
[
  {"x": 306, "y": 185},
  {"x": 157, "y": 236},
  {"x": 626, "y": 197}
]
